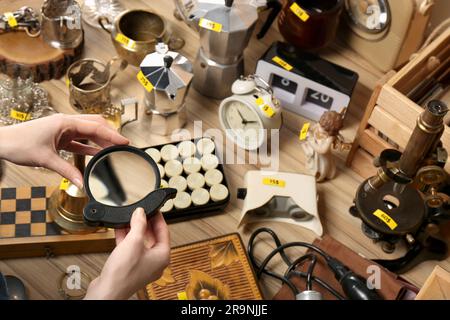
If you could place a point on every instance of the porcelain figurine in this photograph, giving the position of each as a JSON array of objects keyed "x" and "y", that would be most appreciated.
[{"x": 319, "y": 142}]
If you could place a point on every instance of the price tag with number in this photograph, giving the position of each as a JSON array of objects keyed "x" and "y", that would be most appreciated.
[
  {"x": 274, "y": 182},
  {"x": 64, "y": 184},
  {"x": 387, "y": 219},
  {"x": 145, "y": 82},
  {"x": 299, "y": 12},
  {"x": 304, "y": 131},
  {"x": 123, "y": 39},
  {"x": 210, "y": 25},
  {"x": 12, "y": 22},
  {"x": 282, "y": 63},
  {"x": 268, "y": 110},
  {"x": 18, "y": 115}
]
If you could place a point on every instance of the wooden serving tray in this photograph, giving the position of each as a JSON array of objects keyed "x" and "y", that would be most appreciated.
[
  {"x": 21, "y": 54},
  {"x": 27, "y": 230},
  {"x": 220, "y": 265}
]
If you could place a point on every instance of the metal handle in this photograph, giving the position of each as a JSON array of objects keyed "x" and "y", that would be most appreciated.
[
  {"x": 123, "y": 65},
  {"x": 106, "y": 28}
]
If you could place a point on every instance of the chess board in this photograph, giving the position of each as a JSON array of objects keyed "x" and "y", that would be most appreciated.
[
  {"x": 27, "y": 229},
  {"x": 219, "y": 265}
]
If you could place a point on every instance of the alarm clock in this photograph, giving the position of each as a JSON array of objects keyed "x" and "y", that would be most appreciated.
[
  {"x": 250, "y": 113},
  {"x": 304, "y": 83},
  {"x": 385, "y": 32}
]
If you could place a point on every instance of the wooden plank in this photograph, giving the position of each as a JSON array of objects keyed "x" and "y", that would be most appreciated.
[
  {"x": 363, "y": 124},
  {"x": 416, "y": 68},
  {"x": 389, "y": 125},
  {"x": 372, "y": 143},
  {"x": 436, "y": 287},
  {"x": 363, "y": 164},
  {"x": 399, "y": 106}
]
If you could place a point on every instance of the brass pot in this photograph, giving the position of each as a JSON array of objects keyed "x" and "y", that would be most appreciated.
[{"x": 134, "y": 33}]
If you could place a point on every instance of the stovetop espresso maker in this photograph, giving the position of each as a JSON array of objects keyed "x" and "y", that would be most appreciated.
[{"x": 225, "y": 31}]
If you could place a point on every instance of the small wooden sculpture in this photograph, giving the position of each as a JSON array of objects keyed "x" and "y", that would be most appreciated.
[{"x": 319, "y": 142}]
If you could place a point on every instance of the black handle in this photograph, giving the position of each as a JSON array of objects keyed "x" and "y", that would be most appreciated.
[
  {"x": 275, "y": 7},
  {"x": 168, "y": 60},
  {"x": 354, "y": 286},
  {"x": 96, "y": 214},
  {"x": 229, "y": 3}
]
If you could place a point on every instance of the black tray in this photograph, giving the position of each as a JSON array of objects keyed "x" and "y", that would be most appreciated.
[{"x": 195, "y": 212}]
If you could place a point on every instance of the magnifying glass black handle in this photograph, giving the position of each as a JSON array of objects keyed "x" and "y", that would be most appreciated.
[{"x": 100, "y": 215}]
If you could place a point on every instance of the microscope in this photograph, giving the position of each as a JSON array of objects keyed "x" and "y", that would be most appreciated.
[{"x": 407, "y": 199}]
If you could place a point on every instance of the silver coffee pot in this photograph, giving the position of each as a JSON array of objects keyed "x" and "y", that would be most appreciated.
[
  {"x": 225, "y": 31},
  {"x": 169, "y": 75}
]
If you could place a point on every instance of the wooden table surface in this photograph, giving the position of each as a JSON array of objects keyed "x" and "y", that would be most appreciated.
[{"x": 41, "y": 275}]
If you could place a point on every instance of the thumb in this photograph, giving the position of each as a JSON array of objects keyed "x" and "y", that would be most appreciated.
[
  {"x": 138, "y": 223},
  {"x": 66, "y": 170}
]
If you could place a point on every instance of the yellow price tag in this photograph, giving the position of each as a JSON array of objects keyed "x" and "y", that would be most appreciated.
[
  {"x": 268, "y": 110},
  {"x": 12, "y": 22},
  {"x": 274, "y": 182},
  {"x": 299, "y": 12},
  {"x": 210, "y": 25},
  {"x": 304, "y": 131},
  {"x": 144, "y": 81},
  {"x": 64, "y": 184},
  {"x": 282, "y": 63},
  {"x": 182, "y": 295},
  {"x": 383, "y": 216},
  {"x": 18, "y": 115},
  {"x": 123, "y": 39}
]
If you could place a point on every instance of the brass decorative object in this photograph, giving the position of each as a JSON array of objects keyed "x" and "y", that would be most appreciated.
[{"x": 67, "y": 203}]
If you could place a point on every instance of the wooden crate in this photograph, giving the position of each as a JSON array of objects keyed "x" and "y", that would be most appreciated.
[
  {"x": 391, "y": 116},
  {"x": 437, "y": 286},
  {"x": 27, "y": 230}
]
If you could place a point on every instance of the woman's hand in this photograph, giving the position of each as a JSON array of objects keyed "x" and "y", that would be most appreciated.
[
  {"x": 141, "y": 255},
  {"x": 37, "y": 142}
]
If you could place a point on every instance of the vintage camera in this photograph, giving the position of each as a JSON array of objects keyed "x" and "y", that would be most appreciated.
[{"x": 385, "y": 32}]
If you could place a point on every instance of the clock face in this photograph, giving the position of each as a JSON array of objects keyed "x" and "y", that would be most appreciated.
[
  {"x": 242, "y": 124},
  {"x": 371, "y": 16}
]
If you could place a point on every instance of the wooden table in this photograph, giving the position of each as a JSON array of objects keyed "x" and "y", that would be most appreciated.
[{"x": 41, "y": 275}]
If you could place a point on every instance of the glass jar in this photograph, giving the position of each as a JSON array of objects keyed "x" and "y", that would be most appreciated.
[{"x": 21, "y": 100}]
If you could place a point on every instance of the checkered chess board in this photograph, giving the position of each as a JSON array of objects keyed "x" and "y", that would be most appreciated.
[{"x": 23, "y": 213}]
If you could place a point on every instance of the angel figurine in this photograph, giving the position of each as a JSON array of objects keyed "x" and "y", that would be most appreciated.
[{"x": 319, "y": 142}]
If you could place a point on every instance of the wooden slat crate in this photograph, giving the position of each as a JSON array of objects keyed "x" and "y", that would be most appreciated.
[{"x": 391, "y": 116}]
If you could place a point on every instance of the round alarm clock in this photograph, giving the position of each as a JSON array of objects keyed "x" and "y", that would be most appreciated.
[
  {"x": 250, "y": 113},
  {"x": 369, "y": 19}
]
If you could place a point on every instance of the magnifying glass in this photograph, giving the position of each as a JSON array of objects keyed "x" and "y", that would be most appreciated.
[{"x": 118, "y": 180}]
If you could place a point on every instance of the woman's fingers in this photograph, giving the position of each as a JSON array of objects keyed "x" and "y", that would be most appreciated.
[
  {"x": 81, "y": 148},
  {"x": 160, "y": 231},
  {"x": 121, "y": 234},
  {"x": 65, "y": 169},
  {"x": 99, "y": 133},
  {"x": 138, "y": 224}
]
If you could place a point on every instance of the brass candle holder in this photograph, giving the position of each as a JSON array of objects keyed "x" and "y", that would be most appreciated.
[{"x": 67, "y": 203}]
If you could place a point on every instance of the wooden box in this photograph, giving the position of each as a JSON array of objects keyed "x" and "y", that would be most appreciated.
[
  {"x": 219, "y": 265},
  {"x": 391, "y": 116},
  {"x": 436, "y": 287},
  {"x": 26, "y": 228}
]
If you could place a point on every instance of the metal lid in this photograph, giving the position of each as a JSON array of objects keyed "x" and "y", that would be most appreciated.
[
  {"x": 233, "y": 16},
  {"x": 167, "y": 70}
]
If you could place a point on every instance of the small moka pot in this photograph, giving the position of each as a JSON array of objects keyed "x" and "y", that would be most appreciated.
[{"x": 169, "y": 75}]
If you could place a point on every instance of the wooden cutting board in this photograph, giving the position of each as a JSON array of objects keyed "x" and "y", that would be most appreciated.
[{"x": 21, "y": 54}]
